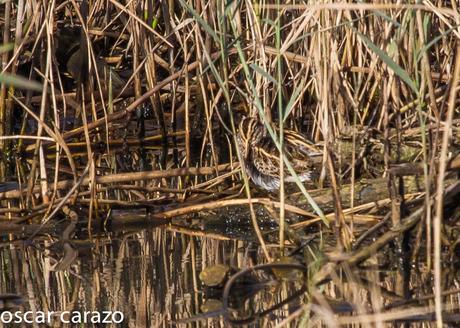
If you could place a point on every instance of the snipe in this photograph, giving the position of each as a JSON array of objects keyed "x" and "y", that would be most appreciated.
[{"x": 261, "y": 156}]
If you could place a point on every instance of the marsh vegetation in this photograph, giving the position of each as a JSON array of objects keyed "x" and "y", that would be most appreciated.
[{"x": 121, "y": 179}]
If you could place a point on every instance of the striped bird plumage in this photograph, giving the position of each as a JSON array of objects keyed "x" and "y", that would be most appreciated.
[{"x": 261, "y": 156}]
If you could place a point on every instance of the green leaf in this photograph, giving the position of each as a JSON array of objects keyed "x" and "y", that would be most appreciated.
[
  {"x": 262, "y": 72},
  {"x": 200, "y": 20},
  {"x": 390, "y": 62},
  {"x": 432, "y": 42},
  {"x": 6, "y": 47},
  {"x": 20, "y": 82},
  {"x": 293, "y": 99}
]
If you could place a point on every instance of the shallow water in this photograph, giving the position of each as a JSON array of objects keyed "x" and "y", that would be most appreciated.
[{"x": 150, "y": 277}]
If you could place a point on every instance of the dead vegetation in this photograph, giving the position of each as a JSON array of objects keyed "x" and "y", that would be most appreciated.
[{"x": 111, "y": 104}]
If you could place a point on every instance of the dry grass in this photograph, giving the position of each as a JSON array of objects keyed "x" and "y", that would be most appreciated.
[{"x": 159, "y": 86}]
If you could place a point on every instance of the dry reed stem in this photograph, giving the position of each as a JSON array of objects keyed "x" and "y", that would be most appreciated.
[
  {"x": 334, "y": 77},
  {"x": 440, "y": 188},
  {"x": 135, "y": 176}
]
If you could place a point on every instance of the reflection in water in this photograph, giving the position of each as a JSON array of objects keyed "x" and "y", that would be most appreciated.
[{"x": 151, "y": 276}]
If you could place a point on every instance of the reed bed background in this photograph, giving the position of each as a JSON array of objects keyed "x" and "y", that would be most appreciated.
[{"x": 114, "y": 104}]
